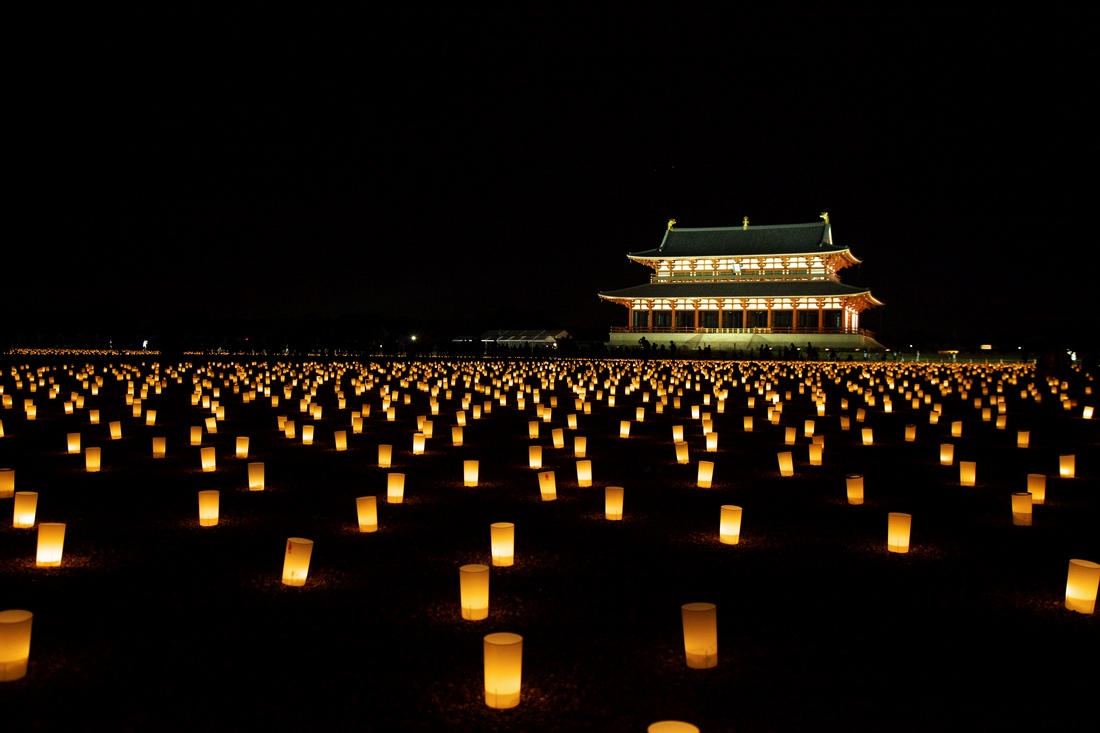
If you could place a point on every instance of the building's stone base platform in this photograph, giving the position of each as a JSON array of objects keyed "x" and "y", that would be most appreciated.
[{"x": 844, "y": 342}]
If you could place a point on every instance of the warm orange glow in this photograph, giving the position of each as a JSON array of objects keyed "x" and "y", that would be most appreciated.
[
  {"x": 456, "y": 436},
  {"x": 671, "y": 726},
  {"x": 51, "y": 543},
  {"x": 584, "y": 473},
  {"x": 534, "y": 456},
  {"x": 613, "y": 502},
  {"x": 208, "y": 461},
  {"x": 7, "y": 483},
  {"x": 1067, "y": 466},
  {"x": 418, "y": 444},
  {"x": 967, "y": 472},
  {"x": 854, "y": 484},
  {"x": 1021, "y": 509},
  {"x": 91, "y": 460},
  {"x": 897, "y": 535},
  {"x": 548, "y": 487},
  {"x": 196, "y": 435},
  {"x": 366, "y": 508},
  {"x": 502, "y": 537},
  {"x": 15, "y": 644},
  {"x": 786, "y": 463},
  {"x": 469, "y": 473},
  {"x": 706, "y": 474},
  {"x": 868, "y": 436},
  {"x": 681, "y": 451},
  {"x": 1023, "y": 438},
  {"x": 1037, "y": 487},
  {"x": 1082, "y": 583},
  {"x": 341, "y": 440},
  {"x": 73, "y": 442},
  {"x": 910, "y": 433},
  {"x": 503, "y": 669},
  {"x": 208, "y": 508},
  {"x": 26, "y": 504},
  {"x": 729, "y": 527},
  {"x": 815, "y": 454},
  {"x": 296, "y": 561},
  {"x": 385, "y": 452},
  {"x": 473, "y": 586},
  {"x": 395, "y": 488},
  {"x": 116, "y": 430},
  {"x": 700, "y": 634},
  {"x": 256, "y": 476},
  {"x": 947, "y": 454}
]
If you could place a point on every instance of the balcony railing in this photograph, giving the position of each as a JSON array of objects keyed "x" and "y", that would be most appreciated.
[
  {"x": 744, "y": 276},
  {"x": 642, "y": 330}
]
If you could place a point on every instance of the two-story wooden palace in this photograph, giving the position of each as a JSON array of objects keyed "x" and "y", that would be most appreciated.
[{"x": 746, "y": 287}]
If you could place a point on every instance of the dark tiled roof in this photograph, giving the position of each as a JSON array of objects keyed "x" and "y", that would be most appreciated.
[
  {"x": 739, "y": 242},
  {"x": 771, "y": 289}
]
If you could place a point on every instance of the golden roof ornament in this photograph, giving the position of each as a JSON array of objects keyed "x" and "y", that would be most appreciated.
[
  {"x": 670, "y": 223},
  {"x": 824, "y": 215},
  {"x": 745, "y": 223}
]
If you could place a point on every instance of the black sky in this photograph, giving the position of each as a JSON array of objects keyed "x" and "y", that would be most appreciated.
[{"x": 499, "y": 165}]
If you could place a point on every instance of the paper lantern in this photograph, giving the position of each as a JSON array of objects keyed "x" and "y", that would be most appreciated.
[
  {"x": 624, "y": 428},
  {"x": 1021, "y": 509},
  {"x": 307, "y": 435},
  {"x": 211, "y": 425},
  {"x": 242, "y": 447},
  {"x": 854, "y": 484},
  {"x": 534, "y": 456},
  {"x": 747, "y": 423},
  {"x": 729, "y": 528},
  {"x": 116, "y": 430},
  {"x": 460, "y": 418},
  {"x": 789, "y": 436},
  {"x": 289, "y": 429},
  {"x": 548, "y": 487},
  {"x": 956, "y": 429},
  {"x": 395, "y": 488},
  {"x": 208, "y": 461},
  {"x": 613, "y": 502},
  {"x": 26, "y": 504},
  {"x": 671, "y": 726},
  {"x": 151, "y": 418},
  {"x": 473, "y": 589},
  {"x": 868, "y": 436},
  {"x": 1067, "y": 466},
  {"x": 15, "y": 644},
  {"x": 503, "y": 536},
  {"x": 208, "y": 508},
  {"x": 1086, "y": 412},
  {"x": 7, "y": 483},
  {"x": 845, "y": 422},
  {"x": 93, "y": 417},
  {"x": 1081, "y": 586},
  {"x": 700, "y": 634},
  {"x": 681, "y": 451},
  {"x": 808, "y": 428},
  {"x": 910, "y": 433},
  {"x": 786, "y": 463},
  {"x": 418, "y": 444},
  {"x": 296, "y": 561},
  {"x": 706, "y": 474},
  {"x": 1023, "y": 438},
  {"x": 1037, "y": 487},
  {"x": 861, "y": 414},
  {"x": 366, "y": 508},
  {"x": 32, "y": 410},
  {"x": 356, "y": 425},
  {"x": 196, "y": 435},
  {"x": 503, "y": 669},
  {"x": 469, "y": 473},
  {"x": 897, "y": 532},
  {"x": 967, "y": 472},
  {"x": 815, "y": 454},
  {"x": 947, "y": 454},
  {"x": 639, "y": 414},
  {"x": 73, "y": 442},
  {"x": 571, "y": 421},
  {"x": 256, "y": 476},
  {"x": 51, "y": 542},
  {"x": 584, "y": 473},
  {"x": 456, "y": 436},
  {"x": 341, "y": 440},
  {"x": 533, "y": 429},
  {"x": 385, "y": 452}
]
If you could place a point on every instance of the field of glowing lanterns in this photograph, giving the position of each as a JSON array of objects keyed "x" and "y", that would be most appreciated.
[{"x": 535, "y": 545}]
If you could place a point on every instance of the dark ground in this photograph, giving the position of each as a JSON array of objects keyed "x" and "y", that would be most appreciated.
[{"x": 155, "y": 623}]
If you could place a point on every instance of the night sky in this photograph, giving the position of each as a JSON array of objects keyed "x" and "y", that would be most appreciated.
[{"x": 477, "y": 166}]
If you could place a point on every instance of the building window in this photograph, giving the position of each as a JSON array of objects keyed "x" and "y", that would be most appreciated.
[
  {"x": 807, "y": 320},
  {"x": 685, "y": 319},
  {"x": 782, "y": 319},
  {"x": 758, "y": 319},
  {"x": 708, "y": 319},
  {"x": 832, "y": 319},
  {"x": 641, "y": 319},
  {"x": 662, "y": 319},
  {"x": 731, "y": 319}
]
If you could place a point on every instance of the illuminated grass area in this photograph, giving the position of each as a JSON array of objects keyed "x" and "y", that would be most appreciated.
[{"x": 153, "y": 622}]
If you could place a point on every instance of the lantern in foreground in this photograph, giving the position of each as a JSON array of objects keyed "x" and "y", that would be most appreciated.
[
  {"x": 1037, "y": 487},
  {"x": 534, "y": 456},
  {"x": 947, "y": 454},
  {"x": 503, "y": 541},
  {"x": 1023, "y": 438},
  {"x": 786, "y": 464},
  {"x": 967, "y": 472},
  {"x": 584, "y": 473},
  {"x": 624, "y": 428},
  {"x": 208, "y": 508},
  {"x": 700, "y": 634},
  {"x": 385, "y": 453},
  {"x": 854, "y": 484},
  {"x": 307, "y": 435},
  {"x": 729, "y": 528},
  {"x": 957, "y": 429},
  {"x": 1081, "y": 586},
  {"x": 1066, "y": 466},
  {"x": 7, "y": 483},
  {"x": 613, "y": 502},
  {"x": 208, "y": 461},
  {"x": 456, "y": 435},
  {"x": 1021, "y": 509},
  {"x": 910, "y": 433},
  {"x": 503, "y": 669},
  {"x": 473, "y": 588},
  {"x": 706, "y": 474},
  {"x": 897, "y": 535},
  {"x": 548, "y": 487},
  {"x": 681, "y": 451},
  {"x": 159, "y": 447},
  {"x": 51, "y": 542},
  {"x": 868, "y": 436},
  {"x": 747, "y": 423},
  {"x": 296, "y": 561},
  {"x": 15, "y": 644},
  {"x": 815, "y": 454},
  {"x": 116, "y": 430},
  {"x": 671, "y": 726},
  {"x": 73, "y": 441},
  {"x": 256, "y": 476},
  {"x": 395, "y": 488},
  {"x": 26, "y": 505},
  {"x": 91, "y": 460},
  {"x": 196, "y": 435},
  {"x": 558, "y": 436},
  {"x": 469, "y": 473},
  {"x": 418, "y": 444},
  {"x": 580, "y": 446},
  {"x": 366, "y": 508},
  {"x": 712, "y": 442}
]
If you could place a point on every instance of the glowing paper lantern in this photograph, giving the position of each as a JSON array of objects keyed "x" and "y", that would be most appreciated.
[
  {"x": 26, "y": 504},
  {"x": 418, "y": 444},
  {"x": 947, "y": 454},
  {"x": 790, "y": 435},
  {"x": 967, "y": 472},
  {"x": 1021, "y": 509},
  {"x": 854, "y": 484},
  {"x": 700, "y": 634},
  {"x": 1086, "y": 412},
  {"x": 729, "y": 528},
  {"x": 93, "y": 417},
  {"x": 808, "y": 428},
  {"x": 868, "y": 436},
  {"x": 469, "y": 473},
  {"x": 897, "y": 533},
  {"x": 196, "y": 435},
  {"x": 845, "y": 422},
  {"x": 208, "y": 508},
  {"x": 395, "y": 488},
  {"x": 116, "y": 430},
  {"x": 385, "y": 452},
  {"x": 548, "y": 487},
  {"x": 51, "y": 542},
  {"x": 256, "y": 476},
  {"x": 503, "y": 543},
  {"x": 208, "y": 461},
  {"x": 671, "y": 726},
  {"x": 7, "y": 483},
  {"x": 1037, "y": 487},
  {"x": 677, "y": 433},
  {"x": 289, "y": 429},
  {"x": 624, "y": 428},
  {"x": 366, "y": 508},
  {"x": 910, "y": 433},
  {"x": 341, "y": 439},
  {"x": 1023, "y": 438},
  {"x": 503, "y": 669},
  {"x": 15, "y": 644},
  {"x": 151, "y": 417},
  {"x": 91, "y": 460},
  {"x": 534, "y": 456},
  {"x": 681, "y": 451},
  {"x": 473, "y": 588},
  {"x": 242, "y": 447},
  {"x": 73, "y": 441},
  {"x": 1082, "y": 582},
  {"x": 956, "y": 429},
  {"x": 584, "y": 473},
  {"x": 558, "y": 436},
  {"x": 706, "y": 474},
  {"x": 1067, "y": 466},
  {"x": 211, "y": 425},
  {"x": 786, "y": 463},
  {"x": 613, "y": 502},
  {"x": 296, "y": 561},
  {"x": 307, "y": 435},
  {"x": 533, "y": 429}
]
